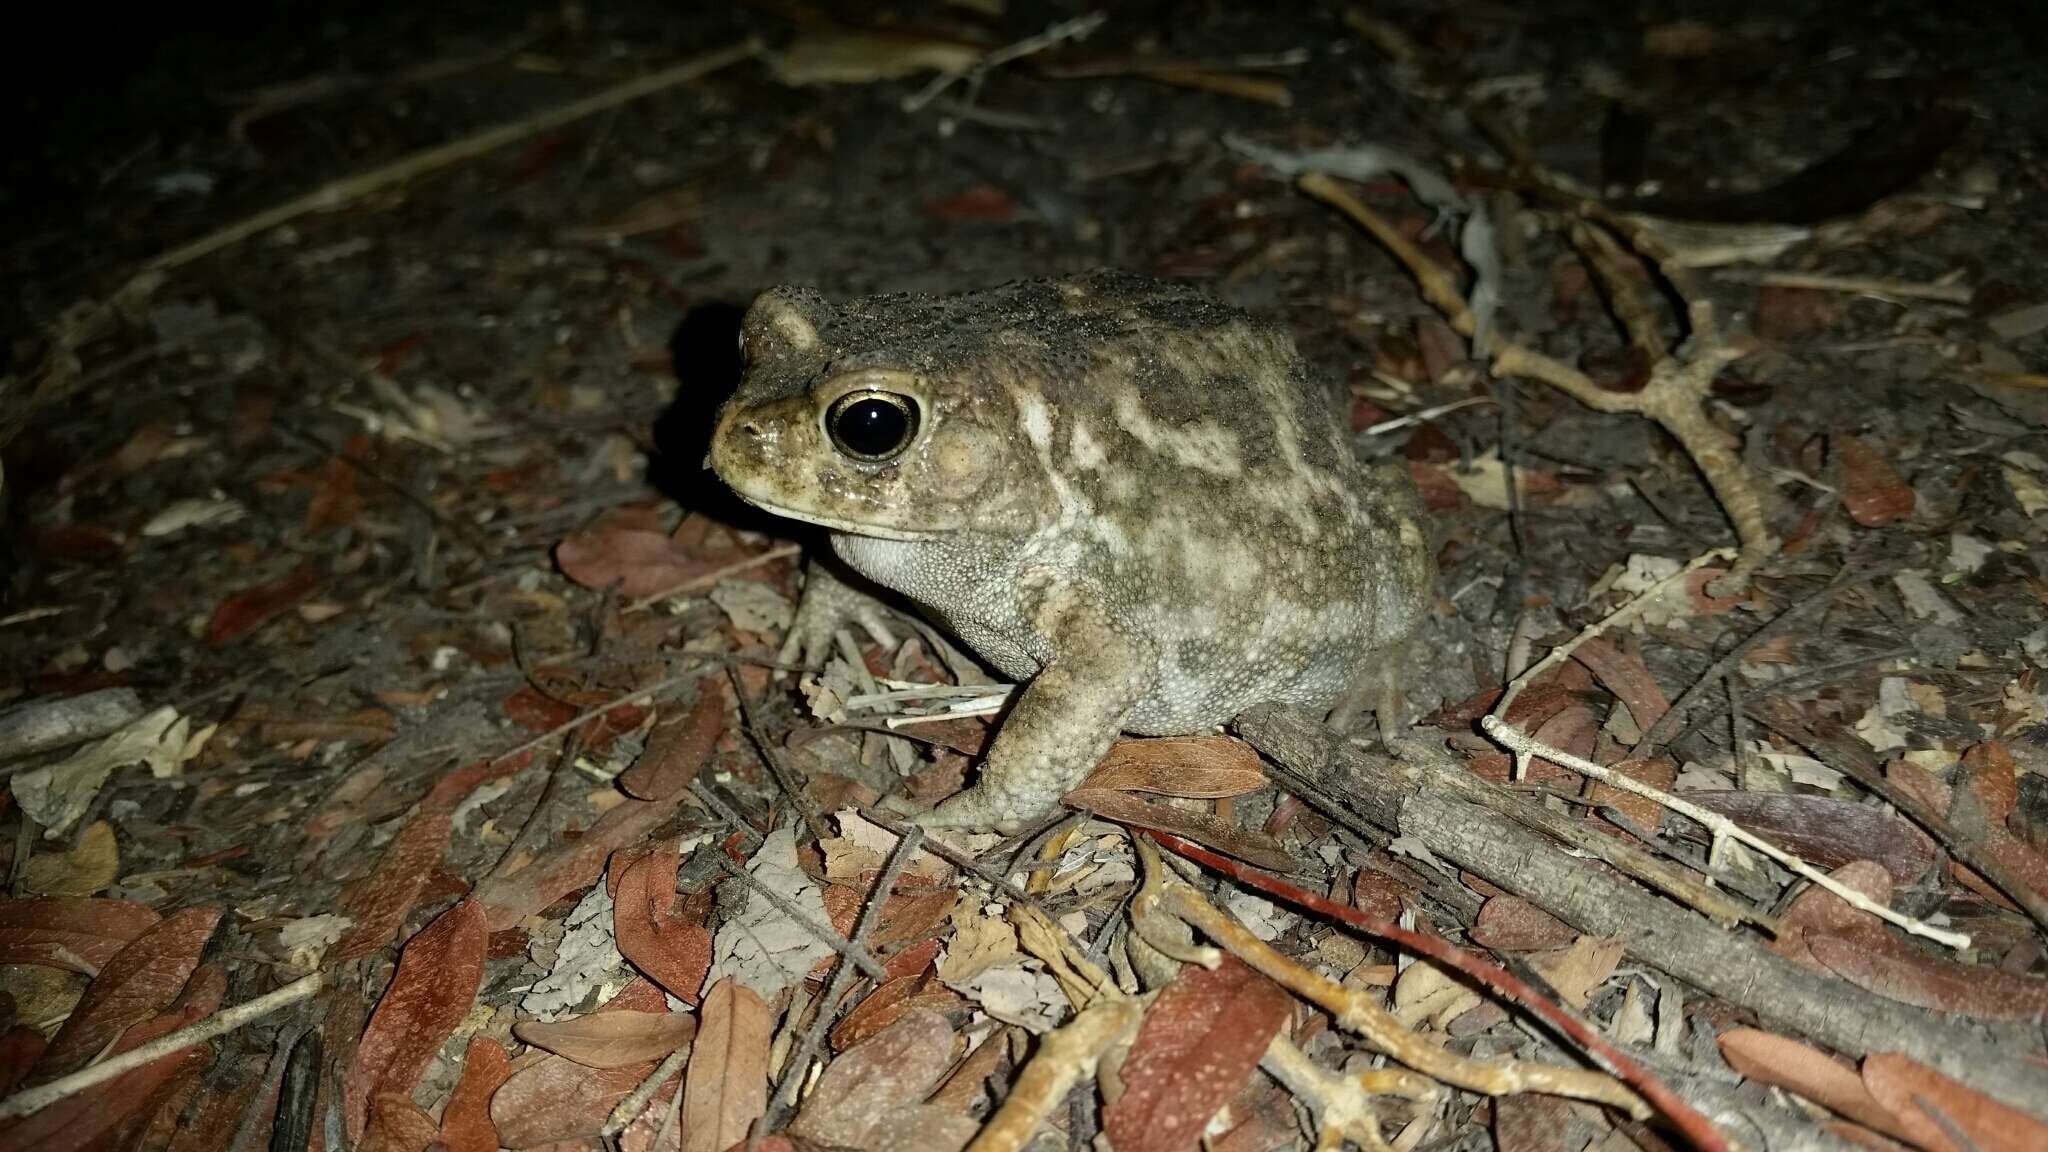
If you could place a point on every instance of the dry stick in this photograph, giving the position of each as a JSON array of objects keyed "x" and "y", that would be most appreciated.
[
  {"x": 1672, "y": 397},
  {"x": 1618, "y": 274},
  {"x": 1341, "y": 1104},
  {"x": 1621, "y": 615},
  {"x": 785, "y": 780},
  {"x": 1417, "y": 798},
  {"x": 1722, "y": 828},
  {"x": 1356, "y": 1012},
  {"x": 31, "y": 1100},
  {"x": 1064, "y": 1057},
  {"x": 1900, "y": 289},
  {"x": 636, "y": 1102},
  {"x": 823, "y": 933},
  {"x": 828, "y": 1005}
]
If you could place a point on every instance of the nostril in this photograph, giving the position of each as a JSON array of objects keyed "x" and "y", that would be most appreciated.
[{"x": 750, "y": 428}]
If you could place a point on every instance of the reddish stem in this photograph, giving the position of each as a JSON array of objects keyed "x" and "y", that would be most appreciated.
[{"x": 1682, "y": 1116}]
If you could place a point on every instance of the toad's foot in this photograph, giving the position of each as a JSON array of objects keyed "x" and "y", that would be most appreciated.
[{"x": 827, "y": 606}]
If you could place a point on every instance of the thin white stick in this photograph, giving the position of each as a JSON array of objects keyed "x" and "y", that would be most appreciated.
[
  {"x": 1627, "y": 611},
  {"x": 1524, "y": 745},
  {"x": 30, "y": 1100}
]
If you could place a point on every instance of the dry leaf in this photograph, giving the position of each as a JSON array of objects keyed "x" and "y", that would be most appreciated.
[
  {"x": 466, "y": 1122},
  {"x": 136, "y": 984},
  {"x": 572, "y": 865},
  {"x": 1576, "y": 971},
  {"x": 62, "y": 932},
  {"x": 673, "y": 953},
  {"x": 1870, "y": 957},
  {"x": 1512, "y": 924},
  {"x": 1936, "y": 1110},
  {"x": 628, "y": 547},
  {"x": 431, "y": 992},
  {"x": 611, "y": 1039},
  {"x": 245, "y": 612},
  {"x": 1773, "y": 1059},
  {"x": 1197, "y": 767},
  {"x": 379, "y": 902},
  {"x": 553, "y": 1100},
  {"x": 1820, "y": 911},
  {"x": 1827, "y": 830},
  {"x": 1872, "y": 492},
  {"x": 858, "y": 56},
  {"x": 93, "y": 863},
  {"x": 890, "y": 1071},
  {"x": 397, "y": 1125},
  {"x": 726, "y": 1089},
  {"x": 1198, "y": 1045},
  {"x": 57, "y": 795},
  {"x": 678, "y": 747}
]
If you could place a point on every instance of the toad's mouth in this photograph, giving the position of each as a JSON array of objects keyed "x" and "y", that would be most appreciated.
[{"x": 837, "y": 524}]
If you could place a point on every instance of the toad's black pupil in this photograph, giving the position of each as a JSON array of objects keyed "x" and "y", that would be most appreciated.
[{"x": 871, "y": 427}]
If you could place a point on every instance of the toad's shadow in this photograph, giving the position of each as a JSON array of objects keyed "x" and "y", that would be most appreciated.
[{"x": 704, "y": 352}]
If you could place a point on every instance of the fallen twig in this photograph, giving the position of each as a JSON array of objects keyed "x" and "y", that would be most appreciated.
[
  {"x": 1064, "y": 1057},
  {"x": 31, "y": 1100},
  {"x": 1673, "y": 397}
]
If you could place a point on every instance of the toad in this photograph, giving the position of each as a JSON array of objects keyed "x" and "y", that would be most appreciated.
[{"x": 1133, "y": 500}]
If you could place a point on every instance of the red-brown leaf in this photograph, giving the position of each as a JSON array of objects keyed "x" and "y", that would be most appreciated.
[
  {"x": 673, "y": 953},
  {"x": 247, "y": 611},
  {"x": 554, "y": 1099},
  {"x": 1930, "y": 1107},
  {"x": 1870, "y": 957},
  {"x": 431, "y": 992},
  {"x": 466, "y": 1121},
  {"x": 1769, "y": 1058},
  {"x": 1199, "y": 1043},
  {"x": 678, "y": 746},
  {"x": 1820, "y": 911},
  {"x": 726, "y": 1088},
  {"x": 1624, "y": 674},
  {"x": 891, "y": 1070},
  {"x": 1512, "y": 924},
  {"x": 380, "y": 901},
  {"x": 397, "y": 1125},
  {"x": 1872, "y": 492},
  {"x": 1532, "y": 1123},
  {"x": 628, "y": 547},
  {"x": 79, "y": 1122},
  {"x": 70, "y": 933},
  {"x": 1828, "y": 831},
  {"x": 20, "y": 1048},
  {"x": 571, "y": 866},
  {"x": 1198, "y": 767},
  {"x": 136, "y": 984},
  {"x": 611, "y": 1039},
  {"x": 974, "y": 204}
]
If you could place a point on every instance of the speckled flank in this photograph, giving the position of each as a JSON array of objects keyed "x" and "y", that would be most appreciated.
[{"x": 1124, "y": 492}]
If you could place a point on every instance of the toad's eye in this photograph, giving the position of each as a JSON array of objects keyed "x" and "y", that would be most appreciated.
[{"x": 872, "y": 426}]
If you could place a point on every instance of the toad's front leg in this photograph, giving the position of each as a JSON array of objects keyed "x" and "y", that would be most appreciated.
[{"x": 1065, "y": 719}]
